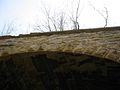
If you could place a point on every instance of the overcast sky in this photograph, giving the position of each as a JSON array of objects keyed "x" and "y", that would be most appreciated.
[{"x": 26, "y": 13}]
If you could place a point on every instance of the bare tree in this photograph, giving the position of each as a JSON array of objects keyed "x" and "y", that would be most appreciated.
[
  {"x": 7, "y": 28},
  {"x": 61, "y": 21},
  {"x": 55, "y": 22},
  {"x": 47, "y": 14},
  {"x": 74, "y": 18},
  {"x": 106, "y": 17},
  {"x": 38, "y": 27},
  {"x": 48, "y": 23},
  {"x": 52, "y": 22},
  {"x": 104, "y": 14}
]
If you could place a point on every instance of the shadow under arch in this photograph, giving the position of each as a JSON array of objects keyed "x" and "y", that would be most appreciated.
[{"x": 58, "y": 71}]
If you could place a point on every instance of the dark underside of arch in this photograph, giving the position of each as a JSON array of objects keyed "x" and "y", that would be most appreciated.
[{"x": 58, "y": 71}]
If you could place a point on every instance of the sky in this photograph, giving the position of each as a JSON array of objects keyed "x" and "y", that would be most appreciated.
[{"x": 25, "y": 14}]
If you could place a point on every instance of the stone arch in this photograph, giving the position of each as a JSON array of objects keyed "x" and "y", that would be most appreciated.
[{"x": 58, "y": 71}]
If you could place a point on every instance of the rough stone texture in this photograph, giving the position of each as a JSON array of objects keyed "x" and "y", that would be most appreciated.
[
  {"x": 101, "y": 42},
  {"x": 70, "y": 60}
]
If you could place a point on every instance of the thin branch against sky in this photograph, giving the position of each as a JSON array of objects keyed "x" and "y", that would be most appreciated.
[
  {"x": 104, "y": 14},
  {"x": 26, "y": 13}
]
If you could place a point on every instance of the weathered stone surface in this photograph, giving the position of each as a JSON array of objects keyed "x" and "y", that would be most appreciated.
[
  {"x": 103, "y": 42},
  {"x": 70, "y": 60}
]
